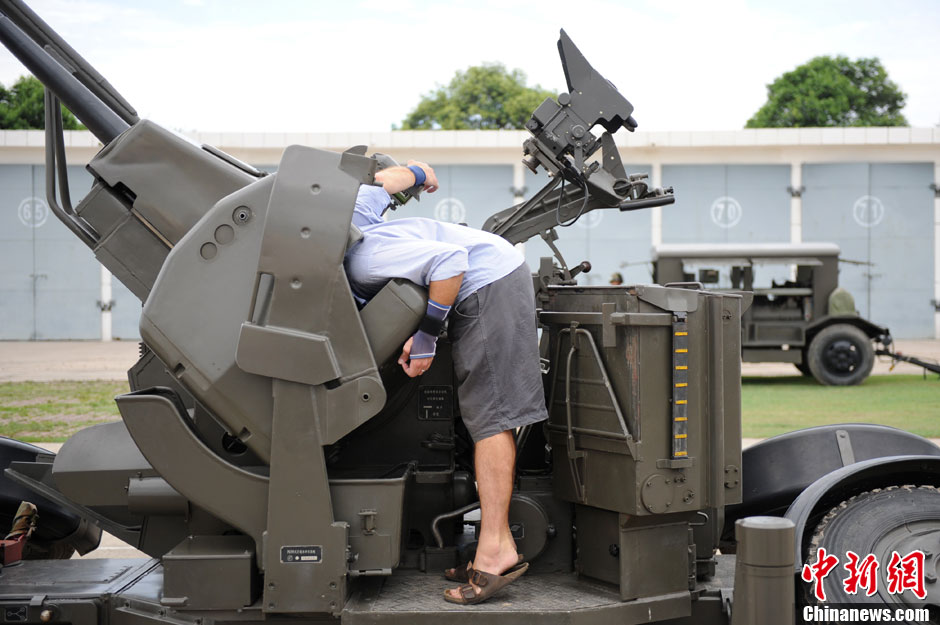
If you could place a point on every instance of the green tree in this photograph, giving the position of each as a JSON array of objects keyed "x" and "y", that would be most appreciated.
[
  {"x": 829, "y": 91},
  {"x": 22, "y": 107},
  {"x": 486, "y": 97}
]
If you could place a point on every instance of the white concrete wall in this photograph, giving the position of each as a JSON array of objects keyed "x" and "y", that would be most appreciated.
[{"x": 793, "y": 147}]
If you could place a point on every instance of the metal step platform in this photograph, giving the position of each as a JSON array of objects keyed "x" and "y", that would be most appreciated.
[
  {"x": 418, "y": 599},
  {"x": 128, "y": 592},
  {"x": 70, "y": 578}
]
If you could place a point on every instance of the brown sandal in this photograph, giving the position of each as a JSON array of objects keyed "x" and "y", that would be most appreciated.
[
  {"x": 461, "y": 574},
  {"x": 488, "y": 583}
]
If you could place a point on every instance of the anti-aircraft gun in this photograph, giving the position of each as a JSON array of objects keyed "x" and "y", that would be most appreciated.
[{"x": 278, "y": 466}]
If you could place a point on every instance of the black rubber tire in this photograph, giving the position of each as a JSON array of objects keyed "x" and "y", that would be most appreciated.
[
  {"x": 840, "y": 355},
  {"x": 897, "y": 518}
]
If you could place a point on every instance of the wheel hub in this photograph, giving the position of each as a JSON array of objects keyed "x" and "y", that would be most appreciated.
[
  {"x": 922, "y": 536},
  {"x": 842, "y": 356}
]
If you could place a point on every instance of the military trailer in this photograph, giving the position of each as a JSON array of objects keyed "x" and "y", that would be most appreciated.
[
  {"x": 277, "y": 466},
  {"x": 807, "y": 319}
]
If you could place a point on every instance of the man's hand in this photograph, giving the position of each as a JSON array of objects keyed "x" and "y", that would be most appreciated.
[
  {"x": 413, "y": 368},
  {"x": 430, "y": 184}
]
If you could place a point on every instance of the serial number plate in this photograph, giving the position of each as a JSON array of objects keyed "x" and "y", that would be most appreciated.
[
  {"x": 302, "y": 554},
  {"x": 437, "y": 403}
]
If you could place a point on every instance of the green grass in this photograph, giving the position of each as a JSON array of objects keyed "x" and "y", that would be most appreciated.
[
  {"x": 53, "y": 411},
  {"x": 771, "y": 406}
]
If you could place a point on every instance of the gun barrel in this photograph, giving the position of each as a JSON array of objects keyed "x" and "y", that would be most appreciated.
[
  {"x": 39, "y": 31},
  {"x": 95, "y": 114}
]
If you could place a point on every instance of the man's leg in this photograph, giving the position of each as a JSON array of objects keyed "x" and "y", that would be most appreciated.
[{"x": 495, "y": 460}]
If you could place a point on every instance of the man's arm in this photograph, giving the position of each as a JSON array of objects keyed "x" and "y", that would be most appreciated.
[
  {"x": 443, "y": 292},
  {"x": 395, "y": 179}
]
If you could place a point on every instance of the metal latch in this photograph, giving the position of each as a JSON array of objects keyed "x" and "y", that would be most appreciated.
[{"x": 368, "y": 521}]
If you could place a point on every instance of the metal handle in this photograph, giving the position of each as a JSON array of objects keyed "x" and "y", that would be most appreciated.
[
  {"x": 570, "y": 429},
  {"x": 573, "y": 453},
  {"x": 56, "y": 164}
]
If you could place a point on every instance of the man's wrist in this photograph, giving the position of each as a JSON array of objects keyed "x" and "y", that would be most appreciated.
[
  {"x": 423, "y": 345},
  {"x": 425, "y": 339},
  {"x": 434, "y": 316},
  {"x": 420, "y": 175}
]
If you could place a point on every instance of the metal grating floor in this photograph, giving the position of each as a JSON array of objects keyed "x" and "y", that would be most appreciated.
[
  {"x": 414, "y": 598},
  {"x": 540, "y": 593}
]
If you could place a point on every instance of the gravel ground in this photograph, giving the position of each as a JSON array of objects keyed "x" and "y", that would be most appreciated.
[{"x": 44, "y": 361}]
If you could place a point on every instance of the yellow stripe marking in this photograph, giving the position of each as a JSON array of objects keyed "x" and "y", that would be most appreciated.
[
  {"x": 682, "y": 334},
  {"x": 682, "y": 453},
  {"x": 682, "y": 384},
  {"x": 682, "y": 401},
  {"x": 682, "y": 351},
  {"x": 681, "y": 435},
  {"x": 682, "y": 367},
  {"x": 682, "y": 418}
]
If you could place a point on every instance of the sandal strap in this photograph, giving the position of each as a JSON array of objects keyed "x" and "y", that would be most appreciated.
[
  {"x": 479, "y": 578},
  {"x": 484, "y": 585}
]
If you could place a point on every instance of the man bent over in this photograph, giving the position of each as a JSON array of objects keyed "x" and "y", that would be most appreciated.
[{"x": 483, "y": 283}]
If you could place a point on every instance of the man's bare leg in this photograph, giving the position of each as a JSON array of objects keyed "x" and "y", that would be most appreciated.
[{"x": 495, "y": 460}]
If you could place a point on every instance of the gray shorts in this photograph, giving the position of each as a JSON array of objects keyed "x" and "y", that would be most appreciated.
[{"x": 496, "y": 357}]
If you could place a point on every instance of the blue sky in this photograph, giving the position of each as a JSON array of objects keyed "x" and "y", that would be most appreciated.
[{"x": 293, "y": 66}]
